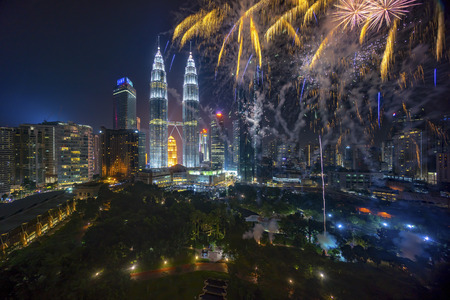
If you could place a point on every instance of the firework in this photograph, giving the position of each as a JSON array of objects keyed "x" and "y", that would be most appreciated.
[
  {"x": 309, "y": 14},
  {"x": 434, "y": 77},
  {"x": 207, "y": 25},
  {"x": 388, "y": 52},
  {"x": 440, "y": 32},
  {"x": 187, "y": 23},
  {"x": 281, "y": 25},
  {"x": 303, "y": 87},
  {"x": 351, "y": 13},
  {"x": 379, "y": 117},
  {"x": 224, "y": 43},
  {"x": 171, "y": 62},
  {"x": 246, "y": 66},
  {"x": 362, "y": 35},
  {"x": 239, "y": 59},
  {"x": 386, "y": 11},
  {"x": 285, "y": 20},
  {"x": 255, "y": 40},
  {"x": 321, "y": 48}
]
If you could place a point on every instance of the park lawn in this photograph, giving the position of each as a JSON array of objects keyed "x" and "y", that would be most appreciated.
[
  {"x": 184, "y": 286},
  {"x": 186, "y": 257}
]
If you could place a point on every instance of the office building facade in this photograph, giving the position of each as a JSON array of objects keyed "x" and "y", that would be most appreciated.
[
  {"x": 158, "y": 134},
  {"x": 190, "y": 115},
  {"x": 124, "y": 102},
  {"x": 6, "y": 159},
  {"x": 218, "y": 142},
  {"x": 120, "y": 152},
  {"x": 204, "y": 145}
]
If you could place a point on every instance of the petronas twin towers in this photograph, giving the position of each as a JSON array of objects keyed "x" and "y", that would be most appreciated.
[{"x": 159, "y": 124}]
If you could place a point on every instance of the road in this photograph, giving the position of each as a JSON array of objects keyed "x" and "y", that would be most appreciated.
[{"x": 216, "y": 267}]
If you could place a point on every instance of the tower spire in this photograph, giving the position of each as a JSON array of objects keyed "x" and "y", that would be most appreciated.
[
  {"x": 158, "y": 41},
  {"x": 190, "y": 47}
]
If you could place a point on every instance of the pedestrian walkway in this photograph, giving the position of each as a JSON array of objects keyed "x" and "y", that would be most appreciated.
[{"x": 187, "y": 268}]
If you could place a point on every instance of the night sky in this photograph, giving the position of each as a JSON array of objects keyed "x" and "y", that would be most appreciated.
[{"x": 60, "y": 59}]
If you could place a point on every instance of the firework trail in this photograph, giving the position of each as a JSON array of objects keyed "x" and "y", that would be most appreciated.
[
  {"x": 440, "y": 31},
  {"x": 171, "y": 62},
  {"x": 320, "y": 49},
  {"x": 388, "y": 52},
  {"x": 245, "y": 70},
  {"x": 379, "y": 118},
  {"x": 315, "y": 17},
  {"x": 296, "y": 32},
  {"x": 239, "y": 60},
  {"x": 364, "y": 31},
  {"x": 303, "y": 87},
  {"x": 167, "y": 44},
  {"x": 434, "y": 77},
  {"x": 284, "y": 21},
  {"x": 255, "y": 40},
  {"x": 224, "y": 43}
]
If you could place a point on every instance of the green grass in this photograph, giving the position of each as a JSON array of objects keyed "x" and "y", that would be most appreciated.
[{"x": 185, "y": 286}]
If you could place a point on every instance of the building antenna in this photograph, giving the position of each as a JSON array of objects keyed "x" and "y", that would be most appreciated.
[{"x": 158, "y": 41}]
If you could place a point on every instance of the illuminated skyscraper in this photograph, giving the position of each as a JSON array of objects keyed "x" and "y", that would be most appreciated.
[
  {"x": 158, "y": 114},
  {"x": 217, "y": 142},
  {"x": 6, "y": 159},
  {"x": 120, "y": 152},
  {"x": 172, "y": 151},
  {"x": 124, "y": 105},
  {"x": 204, "y": 145},
  {"x": 190, "y": 115},
  {"x": 53, "y": 151}
]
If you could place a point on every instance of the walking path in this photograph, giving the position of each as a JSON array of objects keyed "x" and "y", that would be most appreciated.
[{"x": 187, "y": 268}]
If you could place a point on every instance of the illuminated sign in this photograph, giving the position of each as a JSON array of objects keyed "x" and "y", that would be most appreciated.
[{"x": 123, "y": 80}]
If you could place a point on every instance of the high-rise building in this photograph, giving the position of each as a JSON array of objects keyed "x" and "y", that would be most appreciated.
[
  {"x": 443, "y": 167},
  {"x": 408, "y": 154},
  {"x": 75, "y": 145},
  {"x": 6, "y": 159},
  {"x": 159, "y": 129},
  {"x": 97, "y": 155},
  {"x": 142, "y": 150},
  {"x": 204, "y": 145},
  {"x": 246, "y": 166},
  {"x": 120, "y": 152},
  {"x": 217, "y": 142},
  {"x": 124, "y": 97},
  {"x": 257, "y": 116},
  {"x": 53, "y": 152},
  {"x": 172, "y": 151},
  {"x": 235, "y": 143},
  {"x": 190, "y": 115}
]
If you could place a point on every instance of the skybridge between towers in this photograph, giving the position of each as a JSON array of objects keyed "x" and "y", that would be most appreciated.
[{"x": 176, "y": 125}]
